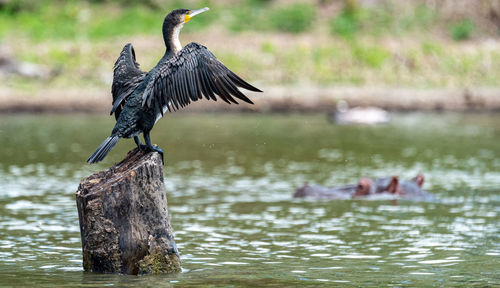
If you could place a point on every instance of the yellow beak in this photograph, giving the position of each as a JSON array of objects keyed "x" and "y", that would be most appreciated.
[{"x": 193, "y": 13}]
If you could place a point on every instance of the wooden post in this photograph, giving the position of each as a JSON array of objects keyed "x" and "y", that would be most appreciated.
[{"x": 124, "y": 221}]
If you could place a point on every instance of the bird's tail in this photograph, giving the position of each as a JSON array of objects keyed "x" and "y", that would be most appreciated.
[{"x": 103, "y": 149}]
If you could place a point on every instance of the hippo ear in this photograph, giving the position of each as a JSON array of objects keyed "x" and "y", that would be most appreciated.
[
  {"x": 302, "y": 191},
  {"x": 419, "y": 180},
  {"x": 393, "y": 186}
]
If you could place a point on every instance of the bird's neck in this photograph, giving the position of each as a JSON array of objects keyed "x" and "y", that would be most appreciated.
[{"x": 171, "y": 38}]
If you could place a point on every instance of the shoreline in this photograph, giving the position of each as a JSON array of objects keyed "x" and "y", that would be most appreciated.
[{"x": 274, "y": 99}]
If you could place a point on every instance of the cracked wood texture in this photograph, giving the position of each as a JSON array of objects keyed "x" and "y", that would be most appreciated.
[{"x": 124, "y": 221}]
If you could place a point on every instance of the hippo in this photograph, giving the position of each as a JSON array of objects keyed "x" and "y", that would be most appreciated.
[
  {"x": 320, "y": 192},
  {"x": 390, "y": 187}
]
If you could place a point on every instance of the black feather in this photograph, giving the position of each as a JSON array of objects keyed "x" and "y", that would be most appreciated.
[
  {"x": 207, "y": 84},
  {"x": 193, "y": 73},
  {"x": 242, "y": 83},
  {"x": 223, "y": 90},
  {"x": 234, "y": 91},
  {"x": 103, "y": 149},
  {"x": 201, "y": 84},
  {"x": 197, "y": 86},
  {"x": 126, "y": 78},
  {"x": 173, "y": 95}
]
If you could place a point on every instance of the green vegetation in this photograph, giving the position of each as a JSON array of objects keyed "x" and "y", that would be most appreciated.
[
  {"x": 462, "y": 30},
  {"x": 372, "y": 56},
  {"x": 295, "y": 18},
  {"x": 317, "y": 42},
  {"x": 78, "y": 19},
  {"x": 261, "y": 16},
  {"x": 73, "y": 20},
  {"x": 346, "y": 23},
  {"x": 379, "y": 21}
]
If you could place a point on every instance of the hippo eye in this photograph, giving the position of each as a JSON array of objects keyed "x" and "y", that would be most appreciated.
[{"x": 360, "y": 186}]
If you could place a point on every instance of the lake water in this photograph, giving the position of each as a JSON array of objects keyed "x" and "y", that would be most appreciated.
[{"x": 230, "y": 180}]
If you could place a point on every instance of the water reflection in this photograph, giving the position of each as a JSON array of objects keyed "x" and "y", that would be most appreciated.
[{"x": 232, "y": 211}]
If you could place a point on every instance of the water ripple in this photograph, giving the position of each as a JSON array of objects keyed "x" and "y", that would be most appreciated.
[{"x": 236, "y": 222}]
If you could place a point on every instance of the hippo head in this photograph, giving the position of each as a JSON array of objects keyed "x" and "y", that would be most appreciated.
[{"x": 367, "y": 187}]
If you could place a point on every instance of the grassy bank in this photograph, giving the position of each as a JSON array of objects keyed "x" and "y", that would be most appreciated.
[{"x": 271, "y": 42}]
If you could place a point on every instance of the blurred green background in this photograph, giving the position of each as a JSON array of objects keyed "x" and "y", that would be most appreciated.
[{"x": 414, "y": 43}]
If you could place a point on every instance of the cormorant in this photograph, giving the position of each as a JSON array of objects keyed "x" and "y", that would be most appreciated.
[{"x": 182, "y": 75}]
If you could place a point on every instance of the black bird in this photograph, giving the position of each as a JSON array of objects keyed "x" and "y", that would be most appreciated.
[{"x": 181, "y": 76}]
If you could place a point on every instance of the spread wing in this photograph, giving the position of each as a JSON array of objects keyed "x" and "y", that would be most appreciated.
[
  {"x": 190, "y": 75},
  {"x": 126, "y": 77}
]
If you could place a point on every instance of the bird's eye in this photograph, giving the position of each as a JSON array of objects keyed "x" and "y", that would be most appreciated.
[{"x": 187, "y": 12}]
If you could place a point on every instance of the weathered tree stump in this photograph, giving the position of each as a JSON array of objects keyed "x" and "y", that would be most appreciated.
[{"x": 124, "y": 221}]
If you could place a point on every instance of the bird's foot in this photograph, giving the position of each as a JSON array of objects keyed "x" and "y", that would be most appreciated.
[
  {"x": 142, "y": 147},
  {"x": 156, "y": 149}
]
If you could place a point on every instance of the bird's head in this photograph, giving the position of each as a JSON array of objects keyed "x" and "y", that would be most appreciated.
[
  {"x": 180, "y": 16},
  {"x": 173, "y": 24}
]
